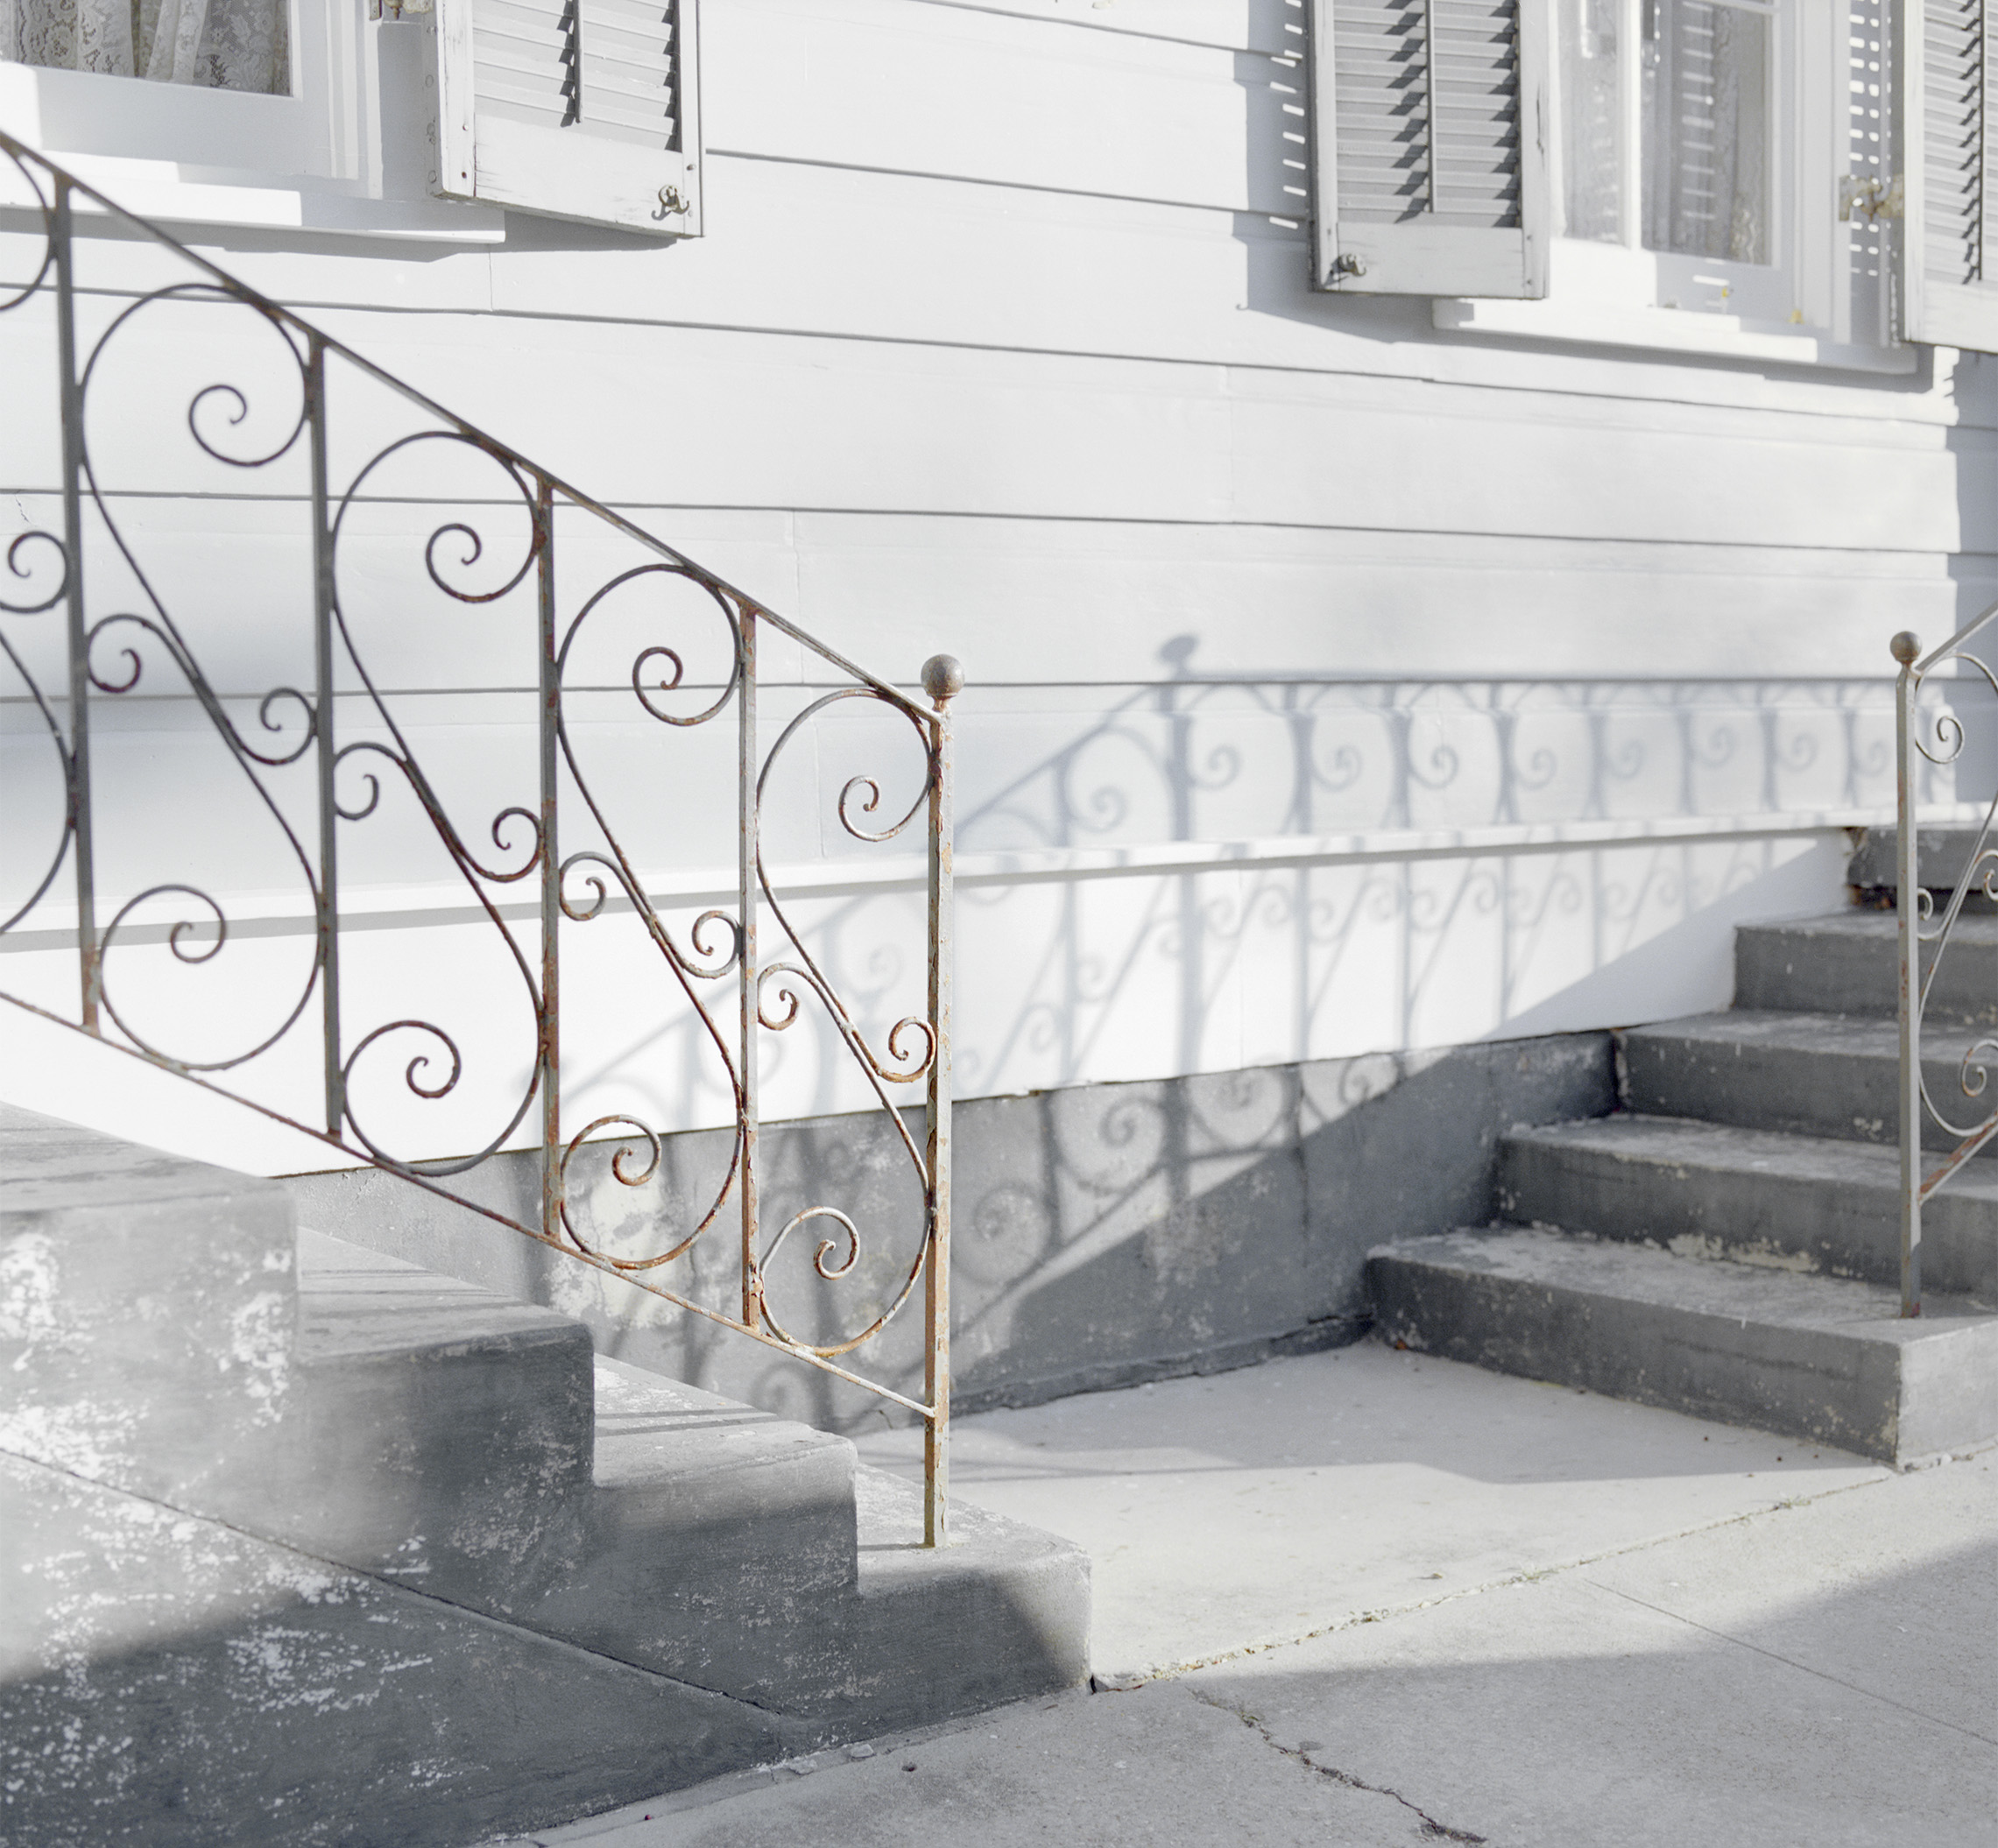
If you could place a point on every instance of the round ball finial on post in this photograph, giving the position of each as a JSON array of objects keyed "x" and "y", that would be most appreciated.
[
  {"x": 1906, "y": 646},
  {"x": 943, "y": 678}
]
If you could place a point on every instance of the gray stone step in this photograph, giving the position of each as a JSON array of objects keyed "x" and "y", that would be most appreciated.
[
  {"x": 1797, "y": 1202},
  {"x": 1812, "y": 1358},
  {"x": 424, "y": 1458},
  {"x": 1819, "y": 1075},
  {"x": 475, "y": 1447},
  {"x": 171, "y": 1682},
  {"x": 1847, "y": 963},
  {"x": 153, "y": 1313},
  {"x": 438, "y": 1433},
  {"x": 1942, "y": 853}
]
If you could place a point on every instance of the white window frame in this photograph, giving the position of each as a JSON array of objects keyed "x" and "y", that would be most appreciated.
[
  {"x": 1799, "y": 310},
  {"x": 379, "y": 136},
  {"x": 346, "y": 153}
]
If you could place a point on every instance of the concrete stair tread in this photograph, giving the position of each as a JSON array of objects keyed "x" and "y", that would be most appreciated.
[
  {"x": 1847, "y": 963},
  {"x": 1806, "y": 1074},
  {"x": 49, "y": 1163},
  {"x": 1942, "y": 849},
  {"x": 1824, "y": 1358},
  {"x": 1868, "y": 1036},
  {"x": 1689, "y": 1142},
  {"x": 1864, "y": 924},
  {"x": 1550, "y": 1256},
  {"x": 352, "y": 1302}
]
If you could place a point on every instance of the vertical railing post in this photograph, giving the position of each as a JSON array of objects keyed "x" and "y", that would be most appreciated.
[
  {"x": 548, "y": 714},
  {"x": 748, "y": 820},
  {"x": 1907, "y": 897},
  {"x": 89, "y": 971},
  {"x": 327, "y": 919},
  {"x": 942, "y": 679}
]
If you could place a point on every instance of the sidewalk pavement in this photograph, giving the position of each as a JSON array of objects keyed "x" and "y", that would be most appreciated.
[{"x": 1370, "y": 1598}]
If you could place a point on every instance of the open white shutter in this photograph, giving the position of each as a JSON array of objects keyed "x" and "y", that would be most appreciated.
[
  {"x": 574, "y": 109},
  {"x": 1429, "y": 133},
  {"x": 1949, "y": 253}
]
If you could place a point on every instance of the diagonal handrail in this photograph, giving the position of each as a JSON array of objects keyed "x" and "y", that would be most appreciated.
[{"x": 312, "y": 742}]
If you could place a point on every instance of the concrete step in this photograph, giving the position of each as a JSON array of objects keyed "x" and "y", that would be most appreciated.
[
  {"x": 383, "y": 1434},
  {"x": 1847, "y": 963},
  {"x": 152, "y": 1316},
  {"x": 171, "y": 1682},
  {"x": 475, "y": 1447},
  {"x": 1760, "y": 1198},
  {"x": 167, "y": 1681},
  {"x": 1942, "y": 854},
  {"x": 1817, "y": 1359},
  {"x": 1817, "y": 1075}
]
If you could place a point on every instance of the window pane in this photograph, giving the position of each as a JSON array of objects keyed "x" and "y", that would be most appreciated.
[
  {"x": 223, "y": 44},
  {"x": 1591, "y": 113},
  {"x": 1706, "y": 129}
]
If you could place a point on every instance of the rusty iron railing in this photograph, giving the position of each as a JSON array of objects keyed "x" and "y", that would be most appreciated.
[
  {"x": 1924, "y": 942},
  {"x": 318, "y": 759}
]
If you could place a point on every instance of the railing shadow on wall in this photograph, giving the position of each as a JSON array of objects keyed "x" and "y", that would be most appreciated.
[
  {"x": 1398, "y": 882},
  {"x": 236, "y": 500}
]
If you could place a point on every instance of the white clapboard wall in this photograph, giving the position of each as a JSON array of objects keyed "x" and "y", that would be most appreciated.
[{"x": 1336, "y": 683}]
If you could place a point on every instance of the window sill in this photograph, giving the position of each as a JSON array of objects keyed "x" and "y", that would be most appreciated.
[
  {"x": 180, "y": 193},
  {"x": 1670, "y": 331},
  {"x": 171, "y": 192}
]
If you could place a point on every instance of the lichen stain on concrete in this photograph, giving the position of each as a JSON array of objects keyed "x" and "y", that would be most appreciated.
[
  {"x": 31, "y": 1281},
  {"x": 97, "y": 1438},
  {"x": 1760, "y": 1252},
  {"x": 259, "y": 1351}
]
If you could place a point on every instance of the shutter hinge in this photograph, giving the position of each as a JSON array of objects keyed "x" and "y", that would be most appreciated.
[
  {"x": 1345, "y": 264},
  {"x": 398, "y": 9},
  {"x": 1871, "y": 198}
]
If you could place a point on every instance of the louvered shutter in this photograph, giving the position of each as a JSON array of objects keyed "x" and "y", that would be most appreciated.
[
  {"x": 1429, "y": 155},
  {"x": 1949, "y": 256},
  {"x": 574, "y": 109}
]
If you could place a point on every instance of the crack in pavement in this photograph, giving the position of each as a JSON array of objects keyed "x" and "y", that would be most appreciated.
[{"x": 1433, "y": 1828}]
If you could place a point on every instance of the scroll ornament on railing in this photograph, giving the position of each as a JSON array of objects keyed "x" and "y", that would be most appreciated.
[{"x": 323, "y": 764}]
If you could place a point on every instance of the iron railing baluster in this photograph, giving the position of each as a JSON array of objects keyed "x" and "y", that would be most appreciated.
[
  {"x": 547, "y": 720},
  {"x": 1908, "y": 905},
  {"x": 326, "y": 900},
  {"x": 82, "y": 835},
  {"x": 942, "y": 679},
  {"x": 749, "y": 821}
]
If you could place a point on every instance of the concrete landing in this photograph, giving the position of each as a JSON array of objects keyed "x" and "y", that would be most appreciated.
[
  {"x": 1814, "y": 1357},
  {"x": 1648, "y": 1632}
]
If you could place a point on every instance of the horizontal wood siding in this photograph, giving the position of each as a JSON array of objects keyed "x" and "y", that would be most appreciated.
[{"x": 999, "y": 340}]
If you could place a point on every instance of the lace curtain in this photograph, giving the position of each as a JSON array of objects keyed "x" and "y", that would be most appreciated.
[
  {"x": 223, "y": 44},
  {"x": 1707, "y": 128}
]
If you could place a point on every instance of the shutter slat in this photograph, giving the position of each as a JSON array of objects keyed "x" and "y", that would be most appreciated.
[
  {"x": 524, "y": 57},
  {"x": 1952, "y": 134}
]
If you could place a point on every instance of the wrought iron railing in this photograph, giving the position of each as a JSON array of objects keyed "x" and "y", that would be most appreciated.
[
  {"x": 1925, "y": 941},
  {"x": 327, "y": 758}
]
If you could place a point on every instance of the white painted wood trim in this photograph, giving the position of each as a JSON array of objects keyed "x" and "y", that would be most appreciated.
[
  {"x": 163, "y": 191},
  {"x": 1667, "y": 330},
  {"x": 454, "y": 177},
  {"x": 429, "y": 907}
]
